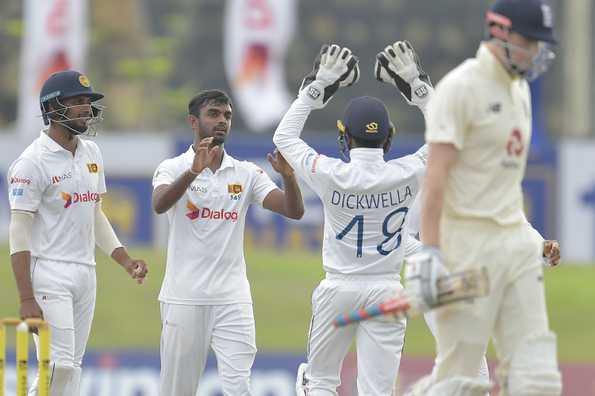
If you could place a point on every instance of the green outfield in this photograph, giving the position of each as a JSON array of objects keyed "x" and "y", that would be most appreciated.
[{"x": 127, "y": 315}]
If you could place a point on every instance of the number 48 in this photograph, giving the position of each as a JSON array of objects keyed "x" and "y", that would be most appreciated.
[{"x": 359, "y": 222}]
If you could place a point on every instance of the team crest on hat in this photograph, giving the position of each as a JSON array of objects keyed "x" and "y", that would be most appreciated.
[
  {"x": 372, "y": 127},
  {"x": 84, "y": 81}
]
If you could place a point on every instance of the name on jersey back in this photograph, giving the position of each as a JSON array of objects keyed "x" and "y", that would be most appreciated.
[{"x": 384, "y": 199}]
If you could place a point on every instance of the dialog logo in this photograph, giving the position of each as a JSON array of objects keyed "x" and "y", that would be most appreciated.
[{"x": 196, "y": 213}]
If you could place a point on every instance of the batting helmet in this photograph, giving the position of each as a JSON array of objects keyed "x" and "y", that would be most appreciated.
[
  {"x": 63, "y": 85},
  {"x": 533, "y": 19}
]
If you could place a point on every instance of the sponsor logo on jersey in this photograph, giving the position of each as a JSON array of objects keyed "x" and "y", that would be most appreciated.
[
  {"x": 495, "y": 107},
  {"x": 58, "y": 179},
  {"x": 77, "y": 197},
  {"x": 196, "y": 213},
  {"x": 372, "y": 127},
  {"x": 20, "y": 180},
  {"x": 515, "y": 145},
  {"x": 199, "y": 188},
  {"x": 93, "y": 168},
  {"x": 17, "y": 192}
]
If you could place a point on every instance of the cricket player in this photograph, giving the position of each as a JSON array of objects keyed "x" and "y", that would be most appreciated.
[
  {"x": 478, "y": 126},
  {"x": 366, "y": 203},
  {"x": 55, "y": 189},
  {"x": 205, "y": 297}
]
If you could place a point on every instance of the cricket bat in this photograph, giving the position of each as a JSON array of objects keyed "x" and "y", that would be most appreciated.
[{"x": 465, "y": 285}]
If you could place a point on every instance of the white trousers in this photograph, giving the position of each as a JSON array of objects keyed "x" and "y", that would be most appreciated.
[
  {"x": 379, "y": 341},
  {"x": 65, "y": 293},
  {"x": 514, "y": 308},
  {"x": 187, "y": 333}
]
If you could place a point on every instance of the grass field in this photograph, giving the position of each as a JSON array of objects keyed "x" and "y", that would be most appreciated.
[{"x": 127, "y": 315}]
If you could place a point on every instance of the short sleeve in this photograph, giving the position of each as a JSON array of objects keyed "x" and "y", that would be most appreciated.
[
  {"x": 448, "y": 112},
  {"x": 164, "y": 174},
  {"x": 101, "y": 186},
  {"x": 26, "y": 185},
  {"x": 262, "y": 184}
]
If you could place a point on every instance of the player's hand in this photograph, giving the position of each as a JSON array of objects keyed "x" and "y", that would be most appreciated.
[
  {"x": 205, "y": 155},
  {"x": 551, "y": 252},
  {"x": 137, "y": 269},
  {"x": 334, "y": 67},
  {"x": 280, "y": 165},
  {"x": 422, "y": 271},
  {"x": 399, "y": 65},
  {"x": 30, "y": 309}
]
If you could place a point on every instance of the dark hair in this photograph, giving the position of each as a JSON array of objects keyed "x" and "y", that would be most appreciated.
[{"x": 203, "y": 98}]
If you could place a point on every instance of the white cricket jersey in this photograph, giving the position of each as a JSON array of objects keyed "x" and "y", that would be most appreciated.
[
  {"x": 486, "y": 114},
  {"x": 62, "y": 190},
  {"x": 205, "y": 249},
  {"x": 366, "y": 201}
]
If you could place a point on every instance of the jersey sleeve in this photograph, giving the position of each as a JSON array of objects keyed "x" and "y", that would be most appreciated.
[
  {"x": 447, "y": 116},
  {"x": 261, "y": 186},
  {"x": 164, "y": 174},
  {"x": 308, "y": 164},
  {"x": 101, "y": 186},
  {"x": 26, "y": 185}
]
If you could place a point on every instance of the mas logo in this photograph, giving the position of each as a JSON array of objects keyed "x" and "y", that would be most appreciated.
[
  {"x": 76, "y": 197},
  {"x": 209, "y": 214}
]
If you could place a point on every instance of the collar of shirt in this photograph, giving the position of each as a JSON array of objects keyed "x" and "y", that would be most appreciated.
[
  {"x": 225, "y": 163},
  {"x": 50, "y": 143},
  {"x": 365, "y": 154},
  {"x": 492, "y": 65}
]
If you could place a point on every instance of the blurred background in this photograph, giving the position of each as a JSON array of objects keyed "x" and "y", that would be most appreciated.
[{"x": 150, "y": 57}]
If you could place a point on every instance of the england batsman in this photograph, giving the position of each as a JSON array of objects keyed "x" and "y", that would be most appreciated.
[{"x": 478, "y": 127}]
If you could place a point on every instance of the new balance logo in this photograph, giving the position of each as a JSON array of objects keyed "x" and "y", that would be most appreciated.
[{"x": 495, "y": 107}]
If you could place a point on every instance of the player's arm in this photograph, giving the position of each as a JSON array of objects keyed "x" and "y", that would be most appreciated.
[
  {"x": 19, "y": 235},
  {"x": 166, "y": 195},
  {"x": 289, "y": 202},
  {"x": 108, "y": 242},
  {"x": 334, "y": 67},
  {"x": 441, "y": 158}
]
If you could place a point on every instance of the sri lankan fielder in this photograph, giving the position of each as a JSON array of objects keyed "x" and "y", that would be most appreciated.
[
  {"x": 56, "y": 220},
  {"x": 366, "y": 201}
]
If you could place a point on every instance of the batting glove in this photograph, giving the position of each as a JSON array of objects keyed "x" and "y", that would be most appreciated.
[
  {"x": 399, "y": 65},
  {"x": 422, "y": 271},
  {"x": 334, "y": 67}
]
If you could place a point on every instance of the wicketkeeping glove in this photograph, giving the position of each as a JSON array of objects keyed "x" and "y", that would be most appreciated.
[
  {"x": 334, "y": 67},
  {"x": 422, "y": 271},
  {"x": 398, "y": 64}
]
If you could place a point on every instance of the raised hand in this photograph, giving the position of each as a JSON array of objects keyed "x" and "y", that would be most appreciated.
[
  {"x": 399, "y": 65},
  {"x": 205, "y": 155},
  {"x": 280, "y": 165},
  {"x": 334, "y": 67}
]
